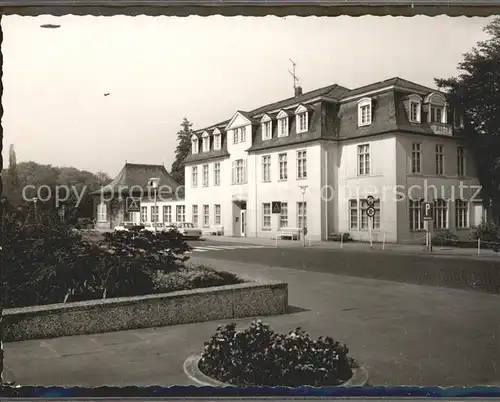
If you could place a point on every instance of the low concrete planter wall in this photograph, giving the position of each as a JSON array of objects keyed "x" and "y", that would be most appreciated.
[{"x": 223, "y": 302}]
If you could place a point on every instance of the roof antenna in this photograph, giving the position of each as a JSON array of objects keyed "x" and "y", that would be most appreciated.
[{"x": 296, "y": 88}]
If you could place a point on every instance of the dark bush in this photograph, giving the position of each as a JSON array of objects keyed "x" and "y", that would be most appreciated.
[
  {"x": 258, "y": 356},
  {"x": 489, "y": 233},
  {"x": 444, "y": 237},
  {"x": 193, "y": 277}
]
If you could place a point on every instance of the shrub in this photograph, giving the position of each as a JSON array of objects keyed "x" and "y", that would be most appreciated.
[
  {"x": 337, "y": 237},
  {"x": 192, "y": 278},
  {"x": 488, "y": 232},
  {"x": 258, "y": 356},
  {"x": 444, "y": 237}
]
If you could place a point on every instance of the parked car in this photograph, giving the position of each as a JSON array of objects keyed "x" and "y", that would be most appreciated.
[
  {"x": 188, "y": 230},
  {"x": 151, "y": 228}
]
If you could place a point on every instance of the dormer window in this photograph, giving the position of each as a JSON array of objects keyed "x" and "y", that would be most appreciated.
[
  {"x": 236, "y": 136},
  {"x": 206, "y": 142},
  {"x": 194, "y": 144},
  {"x": 243, "y": 132},
  {"x": 365, "y": 112},
  {"x": 267, "y": 127},
  {"x": 437, "y": 108},
  {"x": 414, "y": 108},
  {"x": 217, "y": 141},
  {"x": 302, "y": 119},
  {"x": 282, "y": 124}
]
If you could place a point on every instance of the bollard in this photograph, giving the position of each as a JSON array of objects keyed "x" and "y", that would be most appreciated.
[
  {"x": 478, "y": 246},
  {"x": 341, "y": 239},
  {"x": 383, "y": 242}
]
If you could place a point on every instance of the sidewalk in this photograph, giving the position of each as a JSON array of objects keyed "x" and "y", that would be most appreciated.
[
  {"x": 407, "y": 249},
  {"x": 403, "y": 334}
]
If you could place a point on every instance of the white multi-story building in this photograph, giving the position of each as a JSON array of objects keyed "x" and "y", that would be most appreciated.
[{"x": 339, "y": 146}]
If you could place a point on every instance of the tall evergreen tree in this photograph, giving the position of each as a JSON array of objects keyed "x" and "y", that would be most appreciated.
[
  {"x": 476, "y": 93},
  {"x": 182, "y": 150}
]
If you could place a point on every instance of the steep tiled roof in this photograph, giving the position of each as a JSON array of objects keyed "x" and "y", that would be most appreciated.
[
  {"x": 138, "y": 175},
  {"x": 396, "y": 81}
]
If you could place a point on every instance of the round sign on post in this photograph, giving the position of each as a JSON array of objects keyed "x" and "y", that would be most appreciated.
[
  {"x": 370, "y": 211},
  {"x": 370, "y": 200}
]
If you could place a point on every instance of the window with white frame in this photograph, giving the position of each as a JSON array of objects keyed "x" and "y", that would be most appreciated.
[
  {"x": 154, "y": 213},
  {"x": 266, "y": 130},
  {"x": 127, "y": 216},
  {"x": 302, "y": 214},
  {"x": 194, "y": 176},
  {"x": 236, "y": 136},
  {"x": 266, "y": 216},
  {"x": 180, "y": 213},
  {"x": 365, "y": 219},
  {"x": 239, "y": 171},
  {"x": 217, "y": 141},
  {"x": 284, "y": 215},
  {"x": 217, "y": 214},
  {"x": 416, "y": 158},
  {"x": 206, "y": 142},
  {"x": 102, "y": 212},
  {"x": 353, "y": 215},
  {"x": 217, "y": 174},
  {"x": 439, "y": 159},
  {"x": 144, "y": 214},
  {"x": 460, "y": 161},
  {"x": 266, "y": 168},
  {"x": 437, "y": 114},
  {"x": 206, "y": 216},
  {"x": 243, "y": 132},
  {"x": 195, "y": 215},
  {"x": 365, "y": 112},
  {"x": 205, "y": 175},
  {"x": 440, "y": 214},
  {"x": 458, "y": 119},
  {"x": 301, "y": 164},
  {"x": 416, "y": 218},
  {"x": 194, "y": 145},
  {"x": 363, "y": 159},
  {"x": 283, "y": 127},
  {"x": 302, "y": 123},
  {"x": 283, "y": 166},
  {"x": 167, "y": 213},
  {"x": 415, "y": 108},
  {"x": 461, "y": 214}
]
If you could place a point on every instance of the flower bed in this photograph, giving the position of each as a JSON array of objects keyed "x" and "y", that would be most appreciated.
[{"x": 259, "y": 356}]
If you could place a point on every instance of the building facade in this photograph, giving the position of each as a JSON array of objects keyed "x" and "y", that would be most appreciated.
[{"x": 322, "y": 153}]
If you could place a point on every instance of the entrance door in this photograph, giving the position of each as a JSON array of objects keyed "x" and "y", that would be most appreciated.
[{"x": 243, "y": 223}]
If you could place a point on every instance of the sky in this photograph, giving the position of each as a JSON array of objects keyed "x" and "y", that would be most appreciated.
[{"x": 159, "y": 70}]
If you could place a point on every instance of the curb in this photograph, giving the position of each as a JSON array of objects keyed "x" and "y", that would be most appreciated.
[{"x": 359, "y": 377}]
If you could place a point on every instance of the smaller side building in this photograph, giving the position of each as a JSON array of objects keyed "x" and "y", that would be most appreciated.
[{"x": 112, "y": 203}]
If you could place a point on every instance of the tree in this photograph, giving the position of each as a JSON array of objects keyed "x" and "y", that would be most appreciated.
[
  {"x": 182, "y": 150},
  {"x": 475, "y": 92},
  {"x": 13, "y": 187}
]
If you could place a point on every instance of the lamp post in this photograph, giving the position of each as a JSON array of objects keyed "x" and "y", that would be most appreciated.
[
  {"x": 303, "y": 189},
  {"x": 153, "y": 183}
]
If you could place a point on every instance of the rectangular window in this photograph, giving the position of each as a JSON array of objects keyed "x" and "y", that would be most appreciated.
[
  {"x": 441, "y": 214},
  {"x": 217, "y": 142},
  {"x": 302, "y": 122},
  {"x": 154, "y": 213},
  {"x": 439, "y": 159},
  {"x": 236, "y": 136},
  {"x": 460, "y": 161},
  {"x": 266, "y": 130},
  {"x": 415, "y": 112},
  {"x": 365, "y": 218},
  {"x": 283, "y": 168},
  {"x": 365, "y": 114},
  {"x": 217, "y": 174},
  {"x": 363, "y": 159},
  {"x": 284, "y": 215},
  {"x": 167, "y": 213},
  {"x": 243, "y": 131},
  {"x": 302, "y": 214},
  {"x": 102, "y": 212},
  {"x": 180, "y": 213},
  {"x": 301, "y": 164},
  {"x": 217, "y": 214},
  {"x": 195, "y": 215},
  {"x": 144, "y": 214},
  {"x": 239, "y": 171},
  {"x": 206, "y": 144},
  {"x": 206, "y": 215},
  {"x": 266, "y": 216},
  {"x": 283, "y": 127},
  {"x": 436, "y": 114},
  {"x": 416, "y": 219},
  {"x": 416, "y": 158},
  {"x": 194, "y": 144},
  {"x": 205, "y": 175},
  {"x": 353, "y": 214},
  {"x": 194, "y": 176},
  {"x": 461, "y": 214},
  {"x": 266, "y": 168}
]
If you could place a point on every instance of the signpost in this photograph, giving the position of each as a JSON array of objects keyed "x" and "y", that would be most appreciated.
[
  {"x": 370, "y": 212},
  {"x": 276, "y": 207},
  {"x": 132, "y": 204},
  {"x": 428, "y": 216}
]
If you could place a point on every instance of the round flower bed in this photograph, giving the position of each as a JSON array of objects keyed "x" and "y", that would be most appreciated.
[{"x": 258, "y": 356}]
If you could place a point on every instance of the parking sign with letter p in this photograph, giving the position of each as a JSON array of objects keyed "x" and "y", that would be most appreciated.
[{"x": 427, "y": 211}]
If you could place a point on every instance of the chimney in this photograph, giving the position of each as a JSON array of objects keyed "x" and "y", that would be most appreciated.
[{"x": 298, "y": 91}]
